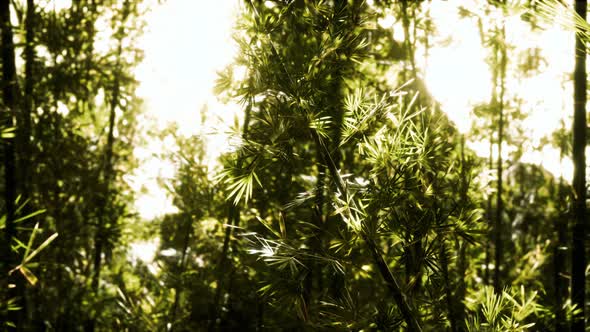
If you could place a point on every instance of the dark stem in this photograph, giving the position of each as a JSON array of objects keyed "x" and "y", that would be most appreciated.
[
  {"x": 9, "y": 111},
  {"x": 392, "y": 284},
  {"x": 233, "y": 218},
  {"x": 579, "y": 180}
]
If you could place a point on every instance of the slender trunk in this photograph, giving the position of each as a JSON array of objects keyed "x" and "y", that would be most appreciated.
[
  {"x": 559, "y": 267},
  {"x": 107, "y": 175},
  {"x": 408, "y": 314},
  {"x": 89, "y": 109},
  {"x": 60, "y": 252},
  {"x": 233, "y": 218},
  {"x": 461, "y": 248},
  {"x": 452, "y": 298},
  {"x": 181, "y": 268},
  {"x": 407, "y": 38},
  {"x": 579, "y": 180},
  {"x": 10, "y": 92},
  {"x": 559, "y": 254},
  {"x": 490, "y": 218},
  {"x": 489, "y": 212},
  {"x": 499, "y": 201},
  {"x": 100, "y": 237},
  {"x": 25, "y": 131},
  {"x": 399, "y": 297},
  {"x": 25, "y": 128},
  {"x": 415, "y": 251},
  {"x": 90, "y": 32},
  {"x": 452, "y": 315},
  {"x": 427, "y": 31}
]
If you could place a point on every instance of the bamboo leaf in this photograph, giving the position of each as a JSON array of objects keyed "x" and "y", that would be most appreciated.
[
  {"x": 31, "y": 278},
  {"x": 282, "y": 227},
  {"x": 29, "y": 216},
  {"x": 40, "y": 248}
]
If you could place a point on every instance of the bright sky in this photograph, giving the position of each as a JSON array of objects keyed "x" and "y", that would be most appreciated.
[
  {"x": 185, "y": 44},
  {"x": 187, "y": 41},
  {"x": 459, "y": 78}
]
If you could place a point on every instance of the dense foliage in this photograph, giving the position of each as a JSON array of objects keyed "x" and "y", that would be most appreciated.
[{"x": 349, "y": 202}]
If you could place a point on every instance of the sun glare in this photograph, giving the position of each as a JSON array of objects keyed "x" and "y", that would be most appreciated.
[
  {"x": 457, "y": 75},
  {"x": 185, "y": 44},
  {"x": 459, "y": 78},
  {"x": 60, "y": 4},
  {"x": 144, "y": 251}
]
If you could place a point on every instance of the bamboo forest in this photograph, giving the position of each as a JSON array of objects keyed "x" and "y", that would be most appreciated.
[{"x": 294, "y": 165}]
